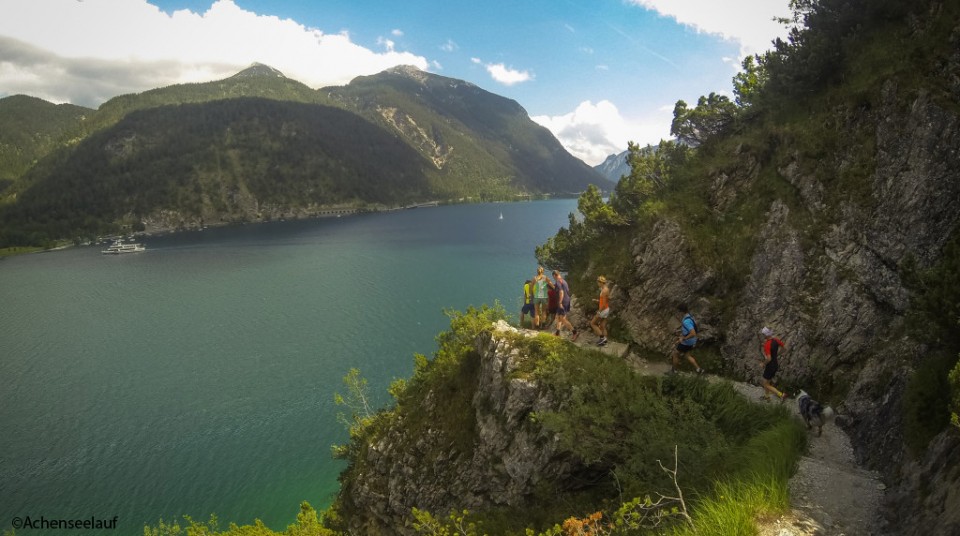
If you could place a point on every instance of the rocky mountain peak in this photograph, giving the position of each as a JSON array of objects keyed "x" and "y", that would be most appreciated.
[
  {"x": 409, "y": 71},
  {"x": 614, "y": 167},
  {"x": 258, "y": 70}
]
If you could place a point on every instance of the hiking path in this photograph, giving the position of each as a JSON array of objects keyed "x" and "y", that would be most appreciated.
[{"x": 830, "y": 494}]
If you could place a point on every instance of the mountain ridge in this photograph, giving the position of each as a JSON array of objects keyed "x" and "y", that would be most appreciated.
[
  {"x": 475, "y": 145},
  {"x": 614, "y": 166}
]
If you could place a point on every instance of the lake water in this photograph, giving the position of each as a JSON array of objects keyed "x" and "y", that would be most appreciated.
[{"x": 198, "y": 377}]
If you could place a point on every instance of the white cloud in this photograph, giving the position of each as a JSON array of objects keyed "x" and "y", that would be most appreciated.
[
  {"x": 386, "y": 43},
  {"x": 506, "y": 75},
  {"x": 503, "y": 74},
  {"x": 594, "y": 131},
  {"x": 397, "y": 32},
  {"x": 449, "y": 46},
  {"x": 748, "y": 21},
  {"x": 69, "y": 45}
]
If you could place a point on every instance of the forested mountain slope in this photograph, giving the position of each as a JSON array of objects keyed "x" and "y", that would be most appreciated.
[
  {"x": 193, "y": 154},
  {"x": 230, "y": 160},
  {"x": 475, "y": 138},
  {"x": 30, "y": 128}
]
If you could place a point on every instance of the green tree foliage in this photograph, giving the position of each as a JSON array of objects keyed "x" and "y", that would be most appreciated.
[
  {"x": 713, "y": 116},
  {"x": 748, "y": 83},
  {"x": 30, "y": 128},
  {"x": 456, "y": 524},
  {"x": 308, "y": 524},
  {"x": 934, "y": 317},
  {"x": 357, "y": 402},
  {"x": 562, "y": 250},
  {"x": 823, "y": 36},
  {"x": 651, "y": 170},
  {"x": 597, "y": 214},
  {"x": 610, "y": 412},
  {"x": 635, "y": 196},
  {"x": 927, "y": 400}
]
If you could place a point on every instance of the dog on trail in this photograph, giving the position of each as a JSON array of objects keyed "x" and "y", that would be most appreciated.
[{"x": 813, "y": 413}]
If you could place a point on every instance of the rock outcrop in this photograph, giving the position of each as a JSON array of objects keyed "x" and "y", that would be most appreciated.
[
  {"x": 510, "y": 454},
  {"x": 835, "y": 293}
]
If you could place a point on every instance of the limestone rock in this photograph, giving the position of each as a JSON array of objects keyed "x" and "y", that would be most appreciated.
[{"x": 510, "y": 455}]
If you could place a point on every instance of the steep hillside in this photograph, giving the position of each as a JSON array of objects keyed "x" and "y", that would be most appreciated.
[
  {"x": 30, "y": 128},
  {"x": 524, "y": 430},
  {"x": 822, "y": 205},
  {"x": 479, "y": 141},
  {"x": 614, "y": 167},
  {"x": 230, "y": 160}
]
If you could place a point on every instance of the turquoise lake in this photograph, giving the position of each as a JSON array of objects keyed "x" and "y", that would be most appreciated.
[{"x": 198, "y": 377}]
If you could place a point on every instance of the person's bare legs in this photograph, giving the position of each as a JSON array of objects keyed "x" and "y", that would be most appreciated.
[
  {"x": 690, "y": 358},
  {"x": 595, "y": 325}
]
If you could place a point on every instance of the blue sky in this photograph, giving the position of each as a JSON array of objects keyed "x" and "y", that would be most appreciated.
[{"x": 596, "y": 73}]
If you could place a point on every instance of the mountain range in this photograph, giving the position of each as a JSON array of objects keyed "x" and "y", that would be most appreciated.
[
  {"x": 258, "y": 145},
  {"x": 614, "y": 167}
]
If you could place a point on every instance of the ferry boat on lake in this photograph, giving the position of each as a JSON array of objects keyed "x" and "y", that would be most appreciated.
[{"x": 119, "y": 247}]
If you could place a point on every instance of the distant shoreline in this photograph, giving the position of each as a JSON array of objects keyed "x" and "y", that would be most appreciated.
[{"x": 322, "y": 214}]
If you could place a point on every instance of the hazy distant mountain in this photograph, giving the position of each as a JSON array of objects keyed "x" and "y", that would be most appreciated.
[
  {"x": 192, "y": 153},
  {"x": 614, "y": 167}
]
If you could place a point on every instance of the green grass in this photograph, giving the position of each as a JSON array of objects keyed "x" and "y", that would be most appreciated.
[
  {"x": 926, "y": 401},
  {"x": 11, "y": 251},
  {"x": 734, "y": 508},
  {"x": 757, "y": 489}
]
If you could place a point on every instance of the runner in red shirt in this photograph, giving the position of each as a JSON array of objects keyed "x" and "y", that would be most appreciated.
[{"x": 772, "y": 348}]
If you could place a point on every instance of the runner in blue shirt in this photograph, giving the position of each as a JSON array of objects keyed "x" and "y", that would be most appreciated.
[{"x": 687, "y": 340}]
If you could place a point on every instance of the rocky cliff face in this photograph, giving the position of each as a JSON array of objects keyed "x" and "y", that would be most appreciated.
[
  {"x": 614, "y": 167},
  {"x": 509, "y": 457},
  {"x": 835, "y": 295}
]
